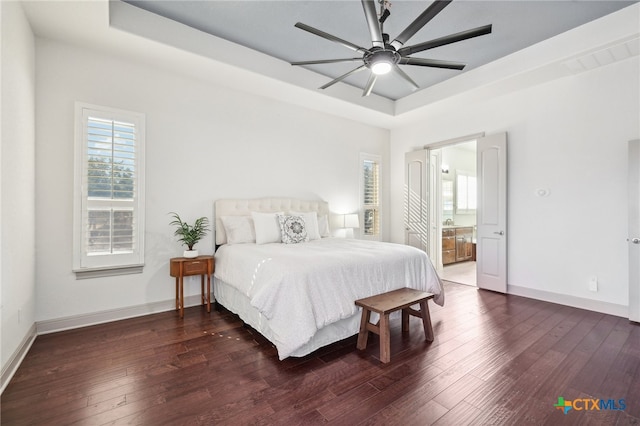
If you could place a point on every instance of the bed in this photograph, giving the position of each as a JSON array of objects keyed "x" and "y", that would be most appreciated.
[{"x": 300, "y": 295}]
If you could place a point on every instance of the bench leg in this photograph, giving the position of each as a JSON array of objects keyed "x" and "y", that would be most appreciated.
[
  {"x": 405, "y": 320},
  {"x": 385, "y": 339},
  {"x": 363, "y": 335},
  {"x": 426, "y": 320}
]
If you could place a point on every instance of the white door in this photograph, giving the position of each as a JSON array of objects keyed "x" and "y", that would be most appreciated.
[
  {"x": 416, "y": 200},
  {"x": 634, "y": 230},
  {"x": 491, "y": 249}
]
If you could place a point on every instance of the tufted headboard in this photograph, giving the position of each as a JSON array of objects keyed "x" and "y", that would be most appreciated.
[{"x": 244, "y": 207}]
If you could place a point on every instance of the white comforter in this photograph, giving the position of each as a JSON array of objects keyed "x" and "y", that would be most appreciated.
[{"x": 300, "y": 288}]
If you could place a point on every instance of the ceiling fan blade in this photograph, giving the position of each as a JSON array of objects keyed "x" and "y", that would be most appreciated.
[
  {"x": 429, "y": 13},
  {"x": 453, "y": 38},
  {"x": 434, "y": 63},
  {"x": 369, "y": 87},
  {"x": 372, "y": 22},
  {"x": 325, "y": 61},
  {"x": 406, "y": 77},
  {"x": 343, "y": 76},
  {"x": 330, "y": 37}
]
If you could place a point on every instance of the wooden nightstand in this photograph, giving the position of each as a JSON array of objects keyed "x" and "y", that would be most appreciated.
[{"x": 181, "y": 267}]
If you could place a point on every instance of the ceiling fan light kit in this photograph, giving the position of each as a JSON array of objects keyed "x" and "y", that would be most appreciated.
[
  {"x": 381, "y": 67},
  {"x": 384, "y": 57},
  {"x": 381, "y": 61}
]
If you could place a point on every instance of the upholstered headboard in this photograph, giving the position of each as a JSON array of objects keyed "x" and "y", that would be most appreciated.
[{"x": 244, "y": 207}]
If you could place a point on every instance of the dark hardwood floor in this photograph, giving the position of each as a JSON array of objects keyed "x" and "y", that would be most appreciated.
[{"x": 495, "y": 359}]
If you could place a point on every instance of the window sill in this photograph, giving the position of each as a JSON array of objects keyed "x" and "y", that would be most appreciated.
[{"x": 88, "y": 273}]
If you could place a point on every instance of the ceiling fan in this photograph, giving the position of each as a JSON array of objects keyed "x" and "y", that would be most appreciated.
[{"x": 385, "y": 56}]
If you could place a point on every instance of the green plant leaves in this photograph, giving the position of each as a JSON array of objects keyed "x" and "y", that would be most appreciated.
[{"x": 189, "y": 235}]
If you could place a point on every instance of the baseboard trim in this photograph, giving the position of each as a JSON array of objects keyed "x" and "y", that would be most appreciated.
[
  {"x": 9, "y": 370},
  {"x": 85, "y": 320},
  {"x": 576, "y": 302}
]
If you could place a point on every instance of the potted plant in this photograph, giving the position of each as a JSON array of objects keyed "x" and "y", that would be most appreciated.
[{"x": 189, "y": 235}]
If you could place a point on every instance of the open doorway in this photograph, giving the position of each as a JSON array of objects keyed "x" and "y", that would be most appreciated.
[
  {"x": 486, "y": 214},
  {"x": 459, "y": 206}
]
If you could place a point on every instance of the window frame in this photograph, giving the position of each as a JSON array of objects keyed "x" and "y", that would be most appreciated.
[
  {"x": 95, "y": 265},
  {"x": 377, "y": 159}
]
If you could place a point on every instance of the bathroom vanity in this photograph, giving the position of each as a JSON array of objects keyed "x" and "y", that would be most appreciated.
[{"x": 457, "y": 244}]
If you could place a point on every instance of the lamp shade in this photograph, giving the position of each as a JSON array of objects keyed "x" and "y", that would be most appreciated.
[{"x": 351, "y": 221}]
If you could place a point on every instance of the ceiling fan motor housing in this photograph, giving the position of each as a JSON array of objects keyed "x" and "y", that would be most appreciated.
[{"x": 377, "y": 56}]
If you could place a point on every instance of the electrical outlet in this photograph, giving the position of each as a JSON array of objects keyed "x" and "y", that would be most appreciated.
[{"x": 593, "y": 283}]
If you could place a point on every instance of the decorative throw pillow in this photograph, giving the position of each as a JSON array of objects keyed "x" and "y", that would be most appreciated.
[
  {"x": 239, "y": 229},
  {"x": 267, "y": 227},
  {"x": 293, "y": 229},
  {"x": 310, "y": 222}
]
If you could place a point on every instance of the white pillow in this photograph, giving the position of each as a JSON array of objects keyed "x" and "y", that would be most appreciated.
[
  {"x": 239, "y": 229},
  {"x": 323, "y": 226},
  {"x": 293, "y": 229},
  {"x": 267, "y": 227},
  {"x": 311, "y": 223}
]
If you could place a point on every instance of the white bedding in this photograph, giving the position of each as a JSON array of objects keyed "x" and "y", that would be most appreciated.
[{"x": 301, "y": 288}]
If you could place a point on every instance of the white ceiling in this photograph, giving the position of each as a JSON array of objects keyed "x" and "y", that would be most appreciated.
[{"x": 268, "y": 27}]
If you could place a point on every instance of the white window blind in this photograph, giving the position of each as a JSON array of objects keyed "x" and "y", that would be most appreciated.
[
  {"x": 466, "y": 192},
  {"x": 109, "y": 214},
  {"x": 370, "y": 196}
]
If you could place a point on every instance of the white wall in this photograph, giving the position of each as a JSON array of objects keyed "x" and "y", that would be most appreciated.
[
  {"x": 17, "y": 213},
  {"x": 204, "y": 142},
  {"x": 568, "y": 136}
]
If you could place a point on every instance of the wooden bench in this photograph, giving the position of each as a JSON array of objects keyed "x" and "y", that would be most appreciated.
[{"x": 389, "y": 302}]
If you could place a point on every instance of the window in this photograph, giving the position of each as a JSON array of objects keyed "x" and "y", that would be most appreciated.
[
  {"x": 370, "y": 188},
  {"x": 109, "y": 190},
  {"x": 447, "y": 198},
  {"x": 466, "y": 192}
]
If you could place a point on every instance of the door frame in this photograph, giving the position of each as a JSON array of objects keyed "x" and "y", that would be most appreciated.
[
  {"x": 489, "y": 280},
  {"x": 634, "y": 229},
  {"x": 435, "y": 187},
  {"x": 435, "y": 207}
]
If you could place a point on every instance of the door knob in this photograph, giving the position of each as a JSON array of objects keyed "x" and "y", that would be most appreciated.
[
  {"x": 499, "y": 232},
  {"x": 635, "y": 240}
]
